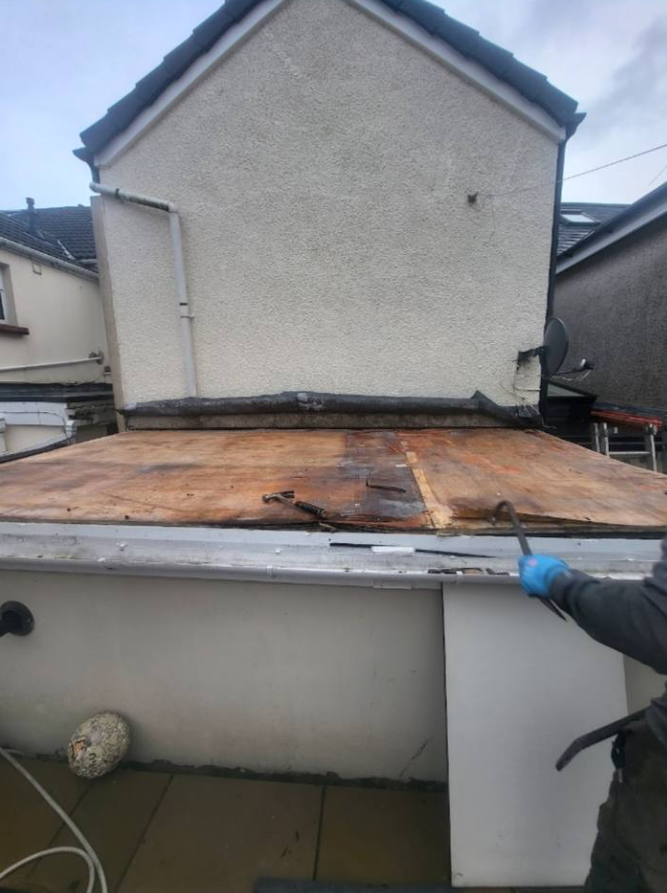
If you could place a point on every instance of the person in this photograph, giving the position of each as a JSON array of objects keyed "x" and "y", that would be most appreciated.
[{"x": 630, "y": 851}]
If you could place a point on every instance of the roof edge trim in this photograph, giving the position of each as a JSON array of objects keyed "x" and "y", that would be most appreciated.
[
  {"x": 63, "y": 265},
  {"x": 225, "y": 45},
  {"x": 471, "y": 71}
]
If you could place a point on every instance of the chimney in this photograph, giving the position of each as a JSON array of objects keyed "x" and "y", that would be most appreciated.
[{"x": 32, "y": 217}]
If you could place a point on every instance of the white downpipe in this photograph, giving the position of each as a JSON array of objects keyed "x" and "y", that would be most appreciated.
[
  {"x": 183, "y": 303},
  {"x": 184, "y": 311},
  {"x": 96, "y": 357}
]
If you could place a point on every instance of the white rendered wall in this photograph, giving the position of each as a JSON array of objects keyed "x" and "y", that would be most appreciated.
[
  {"x": 269, "y": 677},
  {"x": 63, "y": 312},
  {"x": 322, "y": 173},
  {"x": 521, "y": 686}
]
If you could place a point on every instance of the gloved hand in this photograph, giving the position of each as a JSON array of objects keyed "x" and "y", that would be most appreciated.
[{"x": 537, "y": 573}]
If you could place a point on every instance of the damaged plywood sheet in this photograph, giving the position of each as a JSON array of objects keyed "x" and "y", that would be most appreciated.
[
  {"x": 444, "y": 480},
  {"x": 552, "y": 483},
  {"x": 219, "y": 478}
]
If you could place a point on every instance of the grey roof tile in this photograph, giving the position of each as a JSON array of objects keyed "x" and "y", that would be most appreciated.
[
  {"x": 571, "y": 233},
  {"x": 431, "y": 18},
  {"x": 69, "y": 227}
]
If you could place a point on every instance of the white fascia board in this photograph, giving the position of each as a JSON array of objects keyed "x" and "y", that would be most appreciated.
[
  {"x": 416, "y": 561},
  {"x": 176, "y": 90},
  {"x": 625, "y": 229},
  {"x": 467, "y": 69},
  {"x": 42, "y": 258}
]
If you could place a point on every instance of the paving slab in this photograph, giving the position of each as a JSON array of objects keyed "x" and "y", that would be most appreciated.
[
  {"x": 278, "y": 886},
  {"x": 383, "y": 837},
  {"x": 219, "y": 835},
  {"x": 28, "y": 824},
  {"x": 114, "y": 814}
]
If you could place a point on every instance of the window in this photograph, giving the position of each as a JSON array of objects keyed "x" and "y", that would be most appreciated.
[
  {"x": 578, "y": 217},
  {"x": 8, "y": 323}
]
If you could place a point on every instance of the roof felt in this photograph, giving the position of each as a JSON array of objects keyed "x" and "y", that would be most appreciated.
[
  {"x": 530, "y": 83},
  {"x": 72, "y": 225},
  {"x": 571, "y": 233},
  {"x": 15, "y": 230}
]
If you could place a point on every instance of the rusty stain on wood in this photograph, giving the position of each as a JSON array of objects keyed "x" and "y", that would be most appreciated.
[{"x": 443, "y": 479}]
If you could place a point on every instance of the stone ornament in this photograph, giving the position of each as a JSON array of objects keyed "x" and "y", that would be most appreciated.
[{"x": 98, "y": 745}]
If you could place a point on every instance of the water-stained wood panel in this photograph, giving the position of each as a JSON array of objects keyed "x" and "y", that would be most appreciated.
[
  {"x": 447, "y": 480},
  {"x": 219, "y": 478},
  {"x": 552, "y": 483}
]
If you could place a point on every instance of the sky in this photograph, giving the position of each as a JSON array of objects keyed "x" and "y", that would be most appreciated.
[{"x": 66, "y": 61}]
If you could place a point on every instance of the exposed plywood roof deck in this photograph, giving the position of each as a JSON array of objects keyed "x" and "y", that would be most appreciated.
[{"x": 444, "y": 480}]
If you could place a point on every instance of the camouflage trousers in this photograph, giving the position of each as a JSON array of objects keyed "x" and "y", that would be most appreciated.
[{"x": 630, "y": 852}]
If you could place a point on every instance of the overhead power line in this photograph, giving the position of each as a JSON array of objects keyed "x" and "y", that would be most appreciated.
[
  {"x": 591, "y": 170},
  {"x": 618, "y": 161}
]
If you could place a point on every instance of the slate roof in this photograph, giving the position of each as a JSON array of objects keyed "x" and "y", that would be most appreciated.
[
  {"x": 16, "y": 231},
  {"x": 571, "y": 233},
  {"x": 501, "y": 63},
  {"x": 72, "y": 226},
  {"x": 653, "y": 204}
]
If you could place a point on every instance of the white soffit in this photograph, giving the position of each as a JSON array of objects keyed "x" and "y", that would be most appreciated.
[
  {"x": 467, "y": 69},
  {"x": 625, "y": 229}
]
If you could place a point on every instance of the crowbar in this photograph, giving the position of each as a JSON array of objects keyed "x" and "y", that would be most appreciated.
[{"x": 525, "y": 547}]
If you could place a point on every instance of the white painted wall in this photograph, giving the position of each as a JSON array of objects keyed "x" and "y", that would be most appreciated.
[
  {"x": 322, "y": 171},
  {"x": 25, "y": 437},
  {"x": 63, "y": 312},
  {"x": 265, "y": 676},
  {"x": 521, "y": 686}
]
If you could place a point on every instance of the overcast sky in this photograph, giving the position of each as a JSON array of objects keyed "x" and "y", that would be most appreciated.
[{"x": 66, "y": 61}]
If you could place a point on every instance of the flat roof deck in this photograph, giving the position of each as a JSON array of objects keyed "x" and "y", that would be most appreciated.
[{"x": 434, "y": 480}]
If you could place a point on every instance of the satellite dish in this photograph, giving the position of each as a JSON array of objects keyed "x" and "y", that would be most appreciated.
[{"x": 555, "y": 347}]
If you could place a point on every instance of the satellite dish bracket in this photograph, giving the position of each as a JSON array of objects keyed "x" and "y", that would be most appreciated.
[
  {"x": 553, "y": 351},
  {"x": 524, "y": 355}
]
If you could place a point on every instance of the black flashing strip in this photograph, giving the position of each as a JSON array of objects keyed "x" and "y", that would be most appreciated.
[
  {"x": 42, "y": 392},
  {"x": 530, "y": 83},
  {"x": 308, "y": 402}
]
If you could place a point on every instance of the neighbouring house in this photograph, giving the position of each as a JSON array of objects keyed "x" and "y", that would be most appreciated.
[
  {"x": 55, "y": 383},
  {"x": 291, "y": 560},
  {"x": 610, "y": 292},
  {"x": 71, "y": 227},
  {"x": 339, "y": 219},
  {"x": 579, "y": 219}
]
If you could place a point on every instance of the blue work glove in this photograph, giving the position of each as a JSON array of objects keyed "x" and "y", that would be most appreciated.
[{"x": 537, "y": 573}]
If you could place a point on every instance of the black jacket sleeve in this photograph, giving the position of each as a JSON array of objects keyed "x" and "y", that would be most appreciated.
[{"x": 628, "y": 616}]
